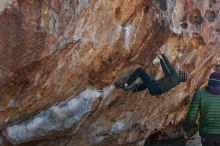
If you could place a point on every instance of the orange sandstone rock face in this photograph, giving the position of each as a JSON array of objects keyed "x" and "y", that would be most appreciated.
[{"x": 56, "y": 55}]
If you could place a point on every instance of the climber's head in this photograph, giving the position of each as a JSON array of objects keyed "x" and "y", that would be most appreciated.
[{"x": 184, "y": 76}]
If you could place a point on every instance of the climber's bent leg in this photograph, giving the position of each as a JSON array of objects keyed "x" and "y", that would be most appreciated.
[
  {"x": 149, "y": 82},
  {"x": 146, "y": 78}
]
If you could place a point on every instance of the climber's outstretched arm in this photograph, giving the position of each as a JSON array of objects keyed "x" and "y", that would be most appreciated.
[{"x": 166, "y": 65}]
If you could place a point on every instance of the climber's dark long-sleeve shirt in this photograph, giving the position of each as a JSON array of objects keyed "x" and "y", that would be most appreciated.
[{"x": 171, "y": 78}]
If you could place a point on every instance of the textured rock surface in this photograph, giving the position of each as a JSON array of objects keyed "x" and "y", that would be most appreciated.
[{"x": 54, "y": 50}]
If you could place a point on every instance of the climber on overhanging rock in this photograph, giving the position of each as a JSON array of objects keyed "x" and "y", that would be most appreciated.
[
  {"x": 156, "y": 87},
  {"x": 206, "y": 104}
]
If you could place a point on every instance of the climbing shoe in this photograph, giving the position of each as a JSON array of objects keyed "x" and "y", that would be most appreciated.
[{"x": 120, "y": 85}]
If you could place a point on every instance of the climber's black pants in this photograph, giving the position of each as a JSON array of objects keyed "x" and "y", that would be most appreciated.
[
  {"x": 148, "y": 82},
  {"x": 211, "y": 140}
]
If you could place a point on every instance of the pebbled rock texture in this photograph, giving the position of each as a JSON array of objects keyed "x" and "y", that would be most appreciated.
[{"x": 60, "y": 59}]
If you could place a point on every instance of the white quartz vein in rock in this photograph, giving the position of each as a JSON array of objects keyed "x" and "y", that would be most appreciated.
[{"x": 57, "y": 118}]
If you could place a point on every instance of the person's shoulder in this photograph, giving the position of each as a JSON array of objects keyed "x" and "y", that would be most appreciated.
[
  {"x": 202, "y": 92},
  {"x": 199, "y": 92}
]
